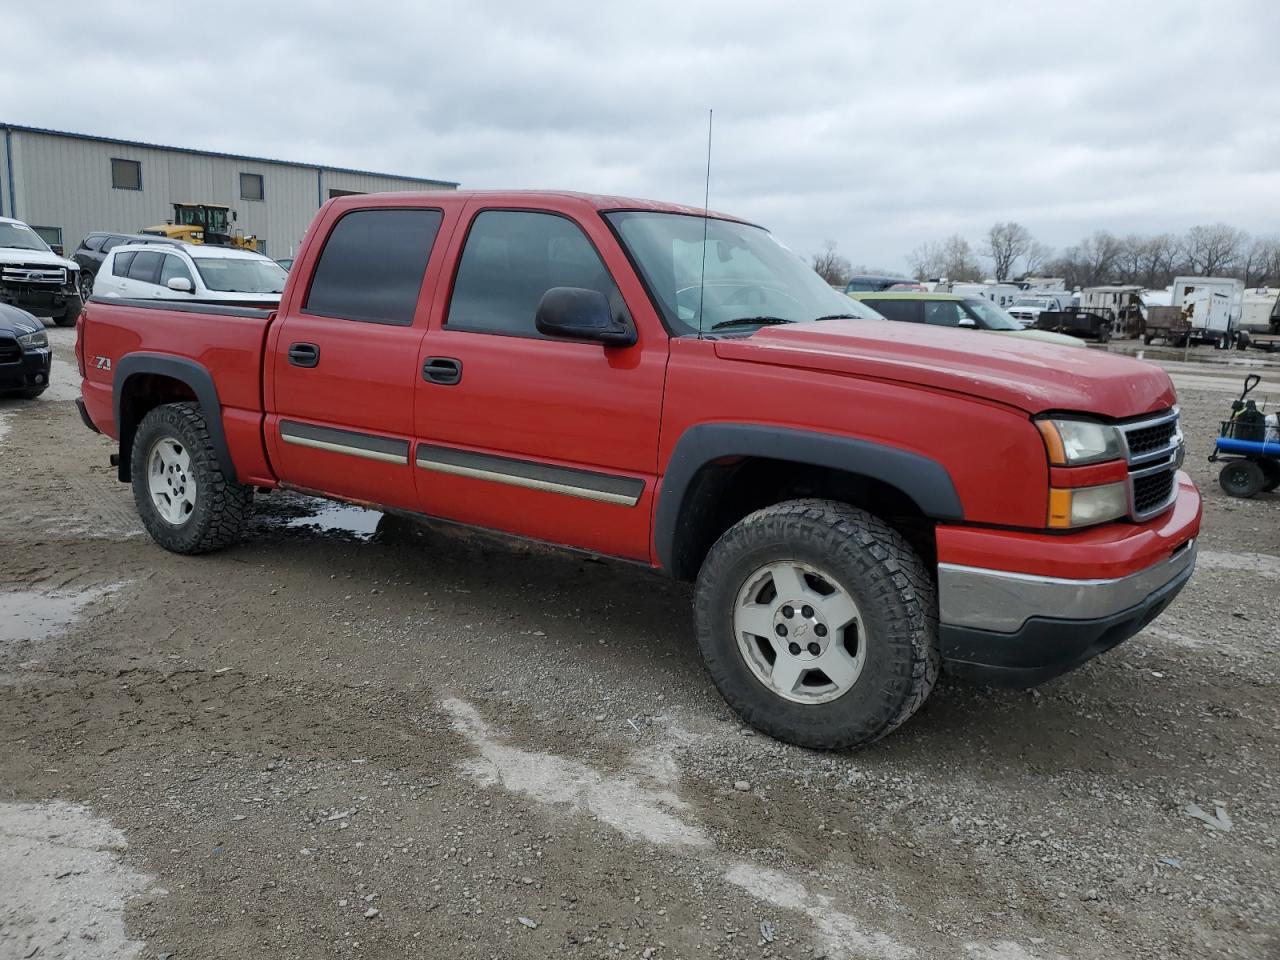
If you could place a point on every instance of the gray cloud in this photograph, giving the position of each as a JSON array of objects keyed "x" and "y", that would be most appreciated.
[{"x": 878, "y": 125}]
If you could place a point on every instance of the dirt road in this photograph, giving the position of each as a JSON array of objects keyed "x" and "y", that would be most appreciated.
[{"x": 355, "y": 737}]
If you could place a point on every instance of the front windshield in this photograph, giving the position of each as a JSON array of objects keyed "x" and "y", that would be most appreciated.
[
  {"x": 21, "y": 237},
  {"x": 213, "y": 219},
  {"x": 990, "y": 316},
  {"x": 241, "y": 274},
  {"x": 751, "y": 279},
  {"x": 1030, "y": 302}
]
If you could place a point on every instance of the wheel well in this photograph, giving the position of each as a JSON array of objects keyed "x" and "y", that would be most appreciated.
[
  {"x": 725, "y": 491},
  {"x": 139, "y": 395}
]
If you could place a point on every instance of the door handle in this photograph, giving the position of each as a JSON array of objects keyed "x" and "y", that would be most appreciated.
[
  {"x": 443, "y": 370},
  {"x": 304, "y": 354}
]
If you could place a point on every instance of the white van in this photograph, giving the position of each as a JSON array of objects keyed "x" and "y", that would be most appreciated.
[{"x": 199, "y": 273}]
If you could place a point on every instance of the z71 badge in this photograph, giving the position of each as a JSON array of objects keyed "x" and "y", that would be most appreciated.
[{"x": 103, "y": 363}]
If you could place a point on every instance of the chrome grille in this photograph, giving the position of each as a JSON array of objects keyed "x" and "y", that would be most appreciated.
[
  {"x": 1154, "y": 451},
  {"x": 33, "y": 273}
]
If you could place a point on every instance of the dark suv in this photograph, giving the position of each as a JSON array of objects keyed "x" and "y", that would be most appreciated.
[{"x": 94, "y": 248}]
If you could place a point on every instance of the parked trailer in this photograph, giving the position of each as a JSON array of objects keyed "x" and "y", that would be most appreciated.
[
  {"x": 1169, "y": 324},
  {"x": 1121, "y": 305},
  {"x": 1086, "y": 324},
  {"x": 1214, "y": 304}
]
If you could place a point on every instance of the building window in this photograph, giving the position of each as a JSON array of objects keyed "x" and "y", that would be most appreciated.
[
  {"x": 251, "y": 186},
  {"x": 126, "y": 174},
  {"x": 50, "y": 235}
]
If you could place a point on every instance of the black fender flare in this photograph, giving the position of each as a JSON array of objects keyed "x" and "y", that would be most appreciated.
[
  {"x": 922, "y": 479},
  {"x": 196, "y": 377}
]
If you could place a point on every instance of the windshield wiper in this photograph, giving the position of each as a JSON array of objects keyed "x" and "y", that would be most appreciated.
[
  {"x": 838, "y": 316},
  {"x": 763, "y": 321}
]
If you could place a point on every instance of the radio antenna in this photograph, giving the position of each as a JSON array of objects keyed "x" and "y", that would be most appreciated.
[{"x": 706, "y": 202}]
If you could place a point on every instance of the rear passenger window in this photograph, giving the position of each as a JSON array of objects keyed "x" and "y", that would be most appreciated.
[
  {"x": 372, "y": 265},
  {"x": 121, "y": 263},
  {"x": 92, "y": 243},
  {"x": 110, "y": 243},
  {"x": 145, "y": 267},
  {"x": 904, "y": 310},
  {"x": 511, "y": 259}
]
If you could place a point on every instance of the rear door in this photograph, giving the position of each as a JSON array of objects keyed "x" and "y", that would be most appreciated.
[
  {"x": 545, "y": 438},
  {"x": 343, "y": 358}
]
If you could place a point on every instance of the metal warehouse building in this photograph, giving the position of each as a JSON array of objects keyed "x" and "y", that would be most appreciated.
[{"x": 66, "y": 185}]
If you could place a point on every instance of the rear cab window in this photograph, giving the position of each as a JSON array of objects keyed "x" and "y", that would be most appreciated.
[{"x": 372, "y": 265}]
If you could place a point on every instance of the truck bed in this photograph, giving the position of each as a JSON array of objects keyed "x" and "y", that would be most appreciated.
[{"x": 229, "y": 339}]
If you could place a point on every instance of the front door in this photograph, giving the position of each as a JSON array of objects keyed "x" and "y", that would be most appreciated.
[
  {"x": 343, "y": 359},
  {"x": 546, "y": 438}
]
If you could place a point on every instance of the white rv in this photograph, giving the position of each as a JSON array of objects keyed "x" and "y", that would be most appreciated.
[{"x": 1214, "y": 306}]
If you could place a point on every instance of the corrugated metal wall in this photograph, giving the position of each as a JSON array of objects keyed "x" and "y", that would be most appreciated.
[{"x": 63, "y": 181}]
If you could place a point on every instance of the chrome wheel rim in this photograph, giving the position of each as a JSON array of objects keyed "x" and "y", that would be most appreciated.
[
  {"x": 799, "y": 632},
  {"x": 171, "y": 481}
]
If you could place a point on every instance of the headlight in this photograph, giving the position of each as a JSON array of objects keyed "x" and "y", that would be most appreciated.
[
  {"x": 1084, "y": 506},
  {"x": 34, "y": 340},
  {"x": 1073, "y": 443}
]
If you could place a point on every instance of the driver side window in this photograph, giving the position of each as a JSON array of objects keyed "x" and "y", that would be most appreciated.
[
  {"x": 943, "y": 313},
  {"x": 174, "y": 268},
  {"x": 513, "y": 257}
]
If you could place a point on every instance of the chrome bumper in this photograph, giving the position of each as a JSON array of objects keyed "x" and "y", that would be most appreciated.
[{"x": 1002, "y": 602}]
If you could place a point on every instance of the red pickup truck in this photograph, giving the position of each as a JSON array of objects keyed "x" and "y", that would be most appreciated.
[{"x": 858, "y": 501}]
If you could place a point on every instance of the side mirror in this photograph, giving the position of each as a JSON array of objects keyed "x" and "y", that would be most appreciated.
[
  {"x": 181, "y": 284},
  {"x": 582, "y": 315},
  {"x": 968, "y": 323}
]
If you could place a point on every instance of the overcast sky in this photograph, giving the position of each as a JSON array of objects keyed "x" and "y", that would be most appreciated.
[{"x": 877, "y": 124}]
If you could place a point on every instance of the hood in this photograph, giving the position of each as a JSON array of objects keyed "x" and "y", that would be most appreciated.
[
  {"x": 1016, "y": 371},
  {"x": 14, "y": 255},
  {"x": 18, "y": 321},
  {"x": 1044, "y": 336}
]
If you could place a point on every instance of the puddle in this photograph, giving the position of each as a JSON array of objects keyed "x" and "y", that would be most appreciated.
[
  {"x": 635, "y": 810},
  {"x": 1259, "y": 564},
  {"x": 28, "y": 615},
  {"x": 642, "y": 806},
  {"x": 340, "y": 517},
  {"x": 841, "y": 934},
  {"x": 65, "y": 884}
]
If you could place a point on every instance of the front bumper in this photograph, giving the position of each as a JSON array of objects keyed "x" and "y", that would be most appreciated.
[
  {"x": 55, "y": 303},
  {"x": 1023, "y": 628},
  {"x": 30, "y": 370}
]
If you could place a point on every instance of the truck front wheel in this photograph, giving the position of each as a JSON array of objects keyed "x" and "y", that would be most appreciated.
[
  {"x": 184, "y": 499},
  {"x": 818, "y": 624}
]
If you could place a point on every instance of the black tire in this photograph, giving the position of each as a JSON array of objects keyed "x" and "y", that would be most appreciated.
[
  {"x": 221, "y": 507},
  {"x": 1271, "y": 470},
  {"x": 893, "y": 592},
  {"x": 1242, "y": 478},
  {"x": 86, "y": 283}
]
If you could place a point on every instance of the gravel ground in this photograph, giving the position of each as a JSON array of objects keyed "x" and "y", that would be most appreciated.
[{"x": 353, "y": 736}]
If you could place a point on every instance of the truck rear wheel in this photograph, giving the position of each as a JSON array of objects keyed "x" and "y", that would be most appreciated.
[
  {"x": 184, "y": 499},
  {"x": 818, "y": 624}
]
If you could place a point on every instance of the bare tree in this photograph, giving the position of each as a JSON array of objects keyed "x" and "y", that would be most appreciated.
[
  {"x": 1158, "y": 261},
  {"x": 926, "y": 261},
  {"x": 1005, "y": 244},
  {"x": 830, "y": 266},
  {"x": 1037, "y": 256},
  {"x": 1261, "y": 261},
  {"x": 1130, "y": 258},
  {"x": 1214, "y": 249}
]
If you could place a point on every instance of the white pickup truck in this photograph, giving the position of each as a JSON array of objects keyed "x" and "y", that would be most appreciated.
[{"x": 34, "y": 278}]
